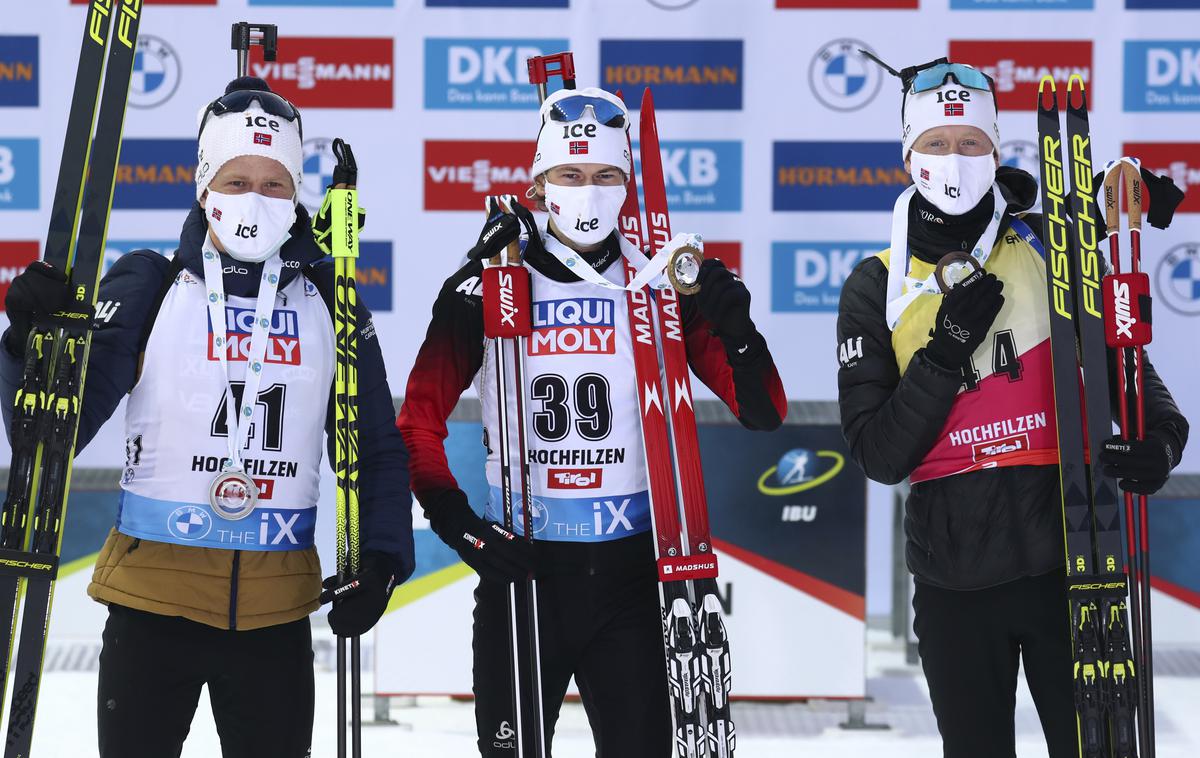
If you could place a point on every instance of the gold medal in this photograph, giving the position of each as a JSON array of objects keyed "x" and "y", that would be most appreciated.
[
  {"x": 953, "y": 268},
  {"x": 683, "y": 269}
]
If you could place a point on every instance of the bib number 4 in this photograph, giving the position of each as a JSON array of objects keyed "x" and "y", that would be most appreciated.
[
  {"x": 1005, "y": 360},
  {"x": 271, "y": 400}
]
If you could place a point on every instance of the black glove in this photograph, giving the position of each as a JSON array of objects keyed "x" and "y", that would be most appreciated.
[
  {"x": 502, "y": 229},
  {"x": 725, "y": 302},
  {"x": 963, "y": 320},
  {"x": 1142, "y": 466},
  {"x": 360, "y": 600},
  {"x": 495, "y": 553},
  {"x": 38, "y": 291}
]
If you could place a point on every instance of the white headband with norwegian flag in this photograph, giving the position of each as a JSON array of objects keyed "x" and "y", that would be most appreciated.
[
  {"x": 949, "y": 105},
  {"x": 585, "y": 140}
]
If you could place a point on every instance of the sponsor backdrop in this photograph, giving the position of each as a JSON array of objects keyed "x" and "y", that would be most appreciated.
[{"x": 780, "y": 141}]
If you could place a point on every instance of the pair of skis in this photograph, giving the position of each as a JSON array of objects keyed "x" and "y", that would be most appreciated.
[
  {"x": 1109, "y": 683},
  {"x": 47, "y": 409}
]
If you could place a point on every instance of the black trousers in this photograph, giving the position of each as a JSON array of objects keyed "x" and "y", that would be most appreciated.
[
  {"x": 152, "y": 667},
  {"x": 972, "y": 644},
  {"x": 606, "y": 630}
]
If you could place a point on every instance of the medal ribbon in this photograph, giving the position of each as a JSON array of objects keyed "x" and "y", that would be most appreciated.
[{"x": 650, "y": 270}]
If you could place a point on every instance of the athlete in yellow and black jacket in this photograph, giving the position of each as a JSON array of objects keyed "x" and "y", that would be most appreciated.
[{"x": 955, "y": 393}]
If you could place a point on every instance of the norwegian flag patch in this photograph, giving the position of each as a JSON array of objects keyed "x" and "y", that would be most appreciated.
[
  {"x": 954, "y": 109},
  {"x": 262, "y": 139},
  {"x": 925, "y": 174},
  {"x": 216, "y": 213},
  {"x": 554, "y": 208},
  {"x": 579, "y": 148}
]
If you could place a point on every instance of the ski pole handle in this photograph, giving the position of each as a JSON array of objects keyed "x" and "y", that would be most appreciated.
[{"x": 243, "y": 35}]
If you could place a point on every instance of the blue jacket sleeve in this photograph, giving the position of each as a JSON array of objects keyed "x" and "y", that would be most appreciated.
[
  {"x": 384, "y": 498},
  {"x": 127, "y": 294}
]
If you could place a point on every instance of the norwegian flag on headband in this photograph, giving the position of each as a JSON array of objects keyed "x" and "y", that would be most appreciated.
[
  {"x": 262, "y": 139},
  {"x": 579, "y": 148},
  {"x": 955, "y": 109},
  {"x": 216, "y": 213}
]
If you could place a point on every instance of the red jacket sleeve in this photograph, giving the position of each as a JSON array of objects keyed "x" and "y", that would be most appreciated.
[{"x": 446, "y": 364}]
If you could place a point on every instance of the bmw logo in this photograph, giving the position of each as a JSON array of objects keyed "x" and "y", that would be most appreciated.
[
  {"x": 156, "y": 73},
  {"x": 1021, "y": 154},
  {"x": 189, "y": 523},
  {"x": 319, "y": 162},
  {"x": 1178, "y": 279},
  {"x": 842, "y": 78}
]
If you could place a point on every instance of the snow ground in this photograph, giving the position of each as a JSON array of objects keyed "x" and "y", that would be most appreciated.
[{"x": 441, "y": 728}]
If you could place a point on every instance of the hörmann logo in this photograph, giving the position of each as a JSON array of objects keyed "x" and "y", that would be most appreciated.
[
  {"x": 18, "y": 71},
  {"x": 459, "y": 175},
  {"x": 684, "y": 74},
  {"x": 483, "y": 73},
  {"x": 330, "y": 72},
  {"x": 156, "y": 173},
  {"x": 1018, "y": 66},
  {"x": 837, "y": 176},
  {"x": 1162, "y": 75}
]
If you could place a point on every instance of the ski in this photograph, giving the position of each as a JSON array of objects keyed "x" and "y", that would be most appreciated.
[{"x": 57, "y": 352}]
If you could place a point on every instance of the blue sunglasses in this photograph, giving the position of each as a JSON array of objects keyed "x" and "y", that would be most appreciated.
[
  {"x": 572, "y": 109},
  {"x": 935, "y": 76}
]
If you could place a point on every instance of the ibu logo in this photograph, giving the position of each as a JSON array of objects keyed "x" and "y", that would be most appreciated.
[
  {"x": 19, "y": 183},
  {"x": 1162, "y": 75},
  {"x": 483, "y": 73},
  {"x": 701, "y": 176},
  {"x": 807, "y": 277}
]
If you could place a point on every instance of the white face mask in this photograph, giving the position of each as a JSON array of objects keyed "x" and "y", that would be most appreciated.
[
  {"x": 586, "y": 215},
  {"x": 250, "y": 226},
  {"x": 954, "y": 183}
]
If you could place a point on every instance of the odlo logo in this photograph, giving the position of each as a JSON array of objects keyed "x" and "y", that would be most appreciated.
[{"x": 504, "y": 737}]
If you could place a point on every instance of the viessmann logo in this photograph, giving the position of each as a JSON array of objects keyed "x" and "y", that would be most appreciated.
[
  {"x": 330, "y": 72},
  {"x": 459, "y": 174},
  {"x": 1018, "y": 66}
]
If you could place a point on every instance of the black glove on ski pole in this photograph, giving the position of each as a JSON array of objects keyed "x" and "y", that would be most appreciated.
[
  {"x": 494, "y": 552},
  {"x": 1142, "y": 466},
  {"x": 40, "y": 290},
  {"x": 360, "y": 599},
  {"x": 963, "y": 320},
  {"x": 502, "y": 229}
]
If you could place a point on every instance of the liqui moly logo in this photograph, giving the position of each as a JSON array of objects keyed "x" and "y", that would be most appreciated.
[
  {"x": 573, "y": 327},
  {"x": 283, "y": 337},
  {"x": 1018, "y": 66},
  {"x": 574, "y": 478},
  {"x": 330, "y": 72}
]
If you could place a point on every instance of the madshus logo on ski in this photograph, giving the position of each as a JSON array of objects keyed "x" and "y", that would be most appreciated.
[
  {"x": 702, "y": 74},
  {"x": 1018, "y": 66},
  {"x": 807, "y": 277},
  {"x": 14, "y": 257},
  {"x": 156, "y": 73},
  {"x": 1162, "y": 75},
  {"x": 579, "y": 326},
  {"x": 1177, "y": 278},
  {"x": 700, "y": 175},
  {"x": 18, "y": 71},
  {"x": 800, "y": 470},
  {"x": 1178, "y": 160},
  {"x": 482, "y": 73},
  {"x": 837, "y": 176},
  {"x": 460, "y": 174},
  {"x": 156, "y": 174},
  {"x": 19, "y": 181},
  {"x": 283, "y": 343},
  {"x": 330, "y": 72},
  {"x": 842, "y": 78}
]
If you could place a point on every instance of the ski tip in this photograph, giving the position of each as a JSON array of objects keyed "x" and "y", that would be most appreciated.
[
  {"x": 1047, "y": 85},
  {"x": 647, "y": 100},
  {"x": 1076, "y": 86}
]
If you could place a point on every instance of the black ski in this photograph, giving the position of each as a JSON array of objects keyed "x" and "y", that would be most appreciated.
[{"x": 56, "y": 357}]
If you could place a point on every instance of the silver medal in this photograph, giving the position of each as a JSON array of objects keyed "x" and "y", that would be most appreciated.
[{"x": 233, "y": 495}]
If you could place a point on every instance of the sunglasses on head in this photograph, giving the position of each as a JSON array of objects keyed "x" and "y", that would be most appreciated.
[
  {"x": 572, "y": 109},
  {"x": 935, "y": 76},
  {"x": 240, "y": 100}
]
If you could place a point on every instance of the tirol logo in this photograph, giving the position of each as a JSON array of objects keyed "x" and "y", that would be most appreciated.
[
  {"x": 684, "y": 74},
  {"x": 700, "y": 176},
  {"x": 316, "y": 172},
  {"x": 848, "y": 4},
  {"x": 1021, "y": 5},
  {"x": 114, "y": 250},
  {"x": 842, "y": 78},
  {"x": 19, "y": 182},
  {"x": 18, "y": 71},
  {"x": 572, "y": 327},
  {"x": 156, "y": 173},
  {"x": 14, "y": 257},
  {"x": 156, "y": 73},
  {"x": 1177, "y": 278},
  {"x": 574, "y": 478},
  {"x": 1178, "y": 160},
  {"x": 800, "y": 469},
  {"x": 459, "y": 175},
  {"x": 1162, "y": 75},
  {"x": 483, "y": 73},
  {"x": 807, "y": 277},
  {"x": 837, "y": 176},
  {"x": 373, "y": 275},
  {"x": 330, "y": 72},
  {"x": 1018, "y": 66},
  {"x": 1020, "y": 154},
  {"x": 283, "y": 340},
  {"x": 729, "y": 253}
]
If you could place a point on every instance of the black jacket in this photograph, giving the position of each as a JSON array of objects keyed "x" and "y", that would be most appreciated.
[{"x": 971, "y": 530}]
